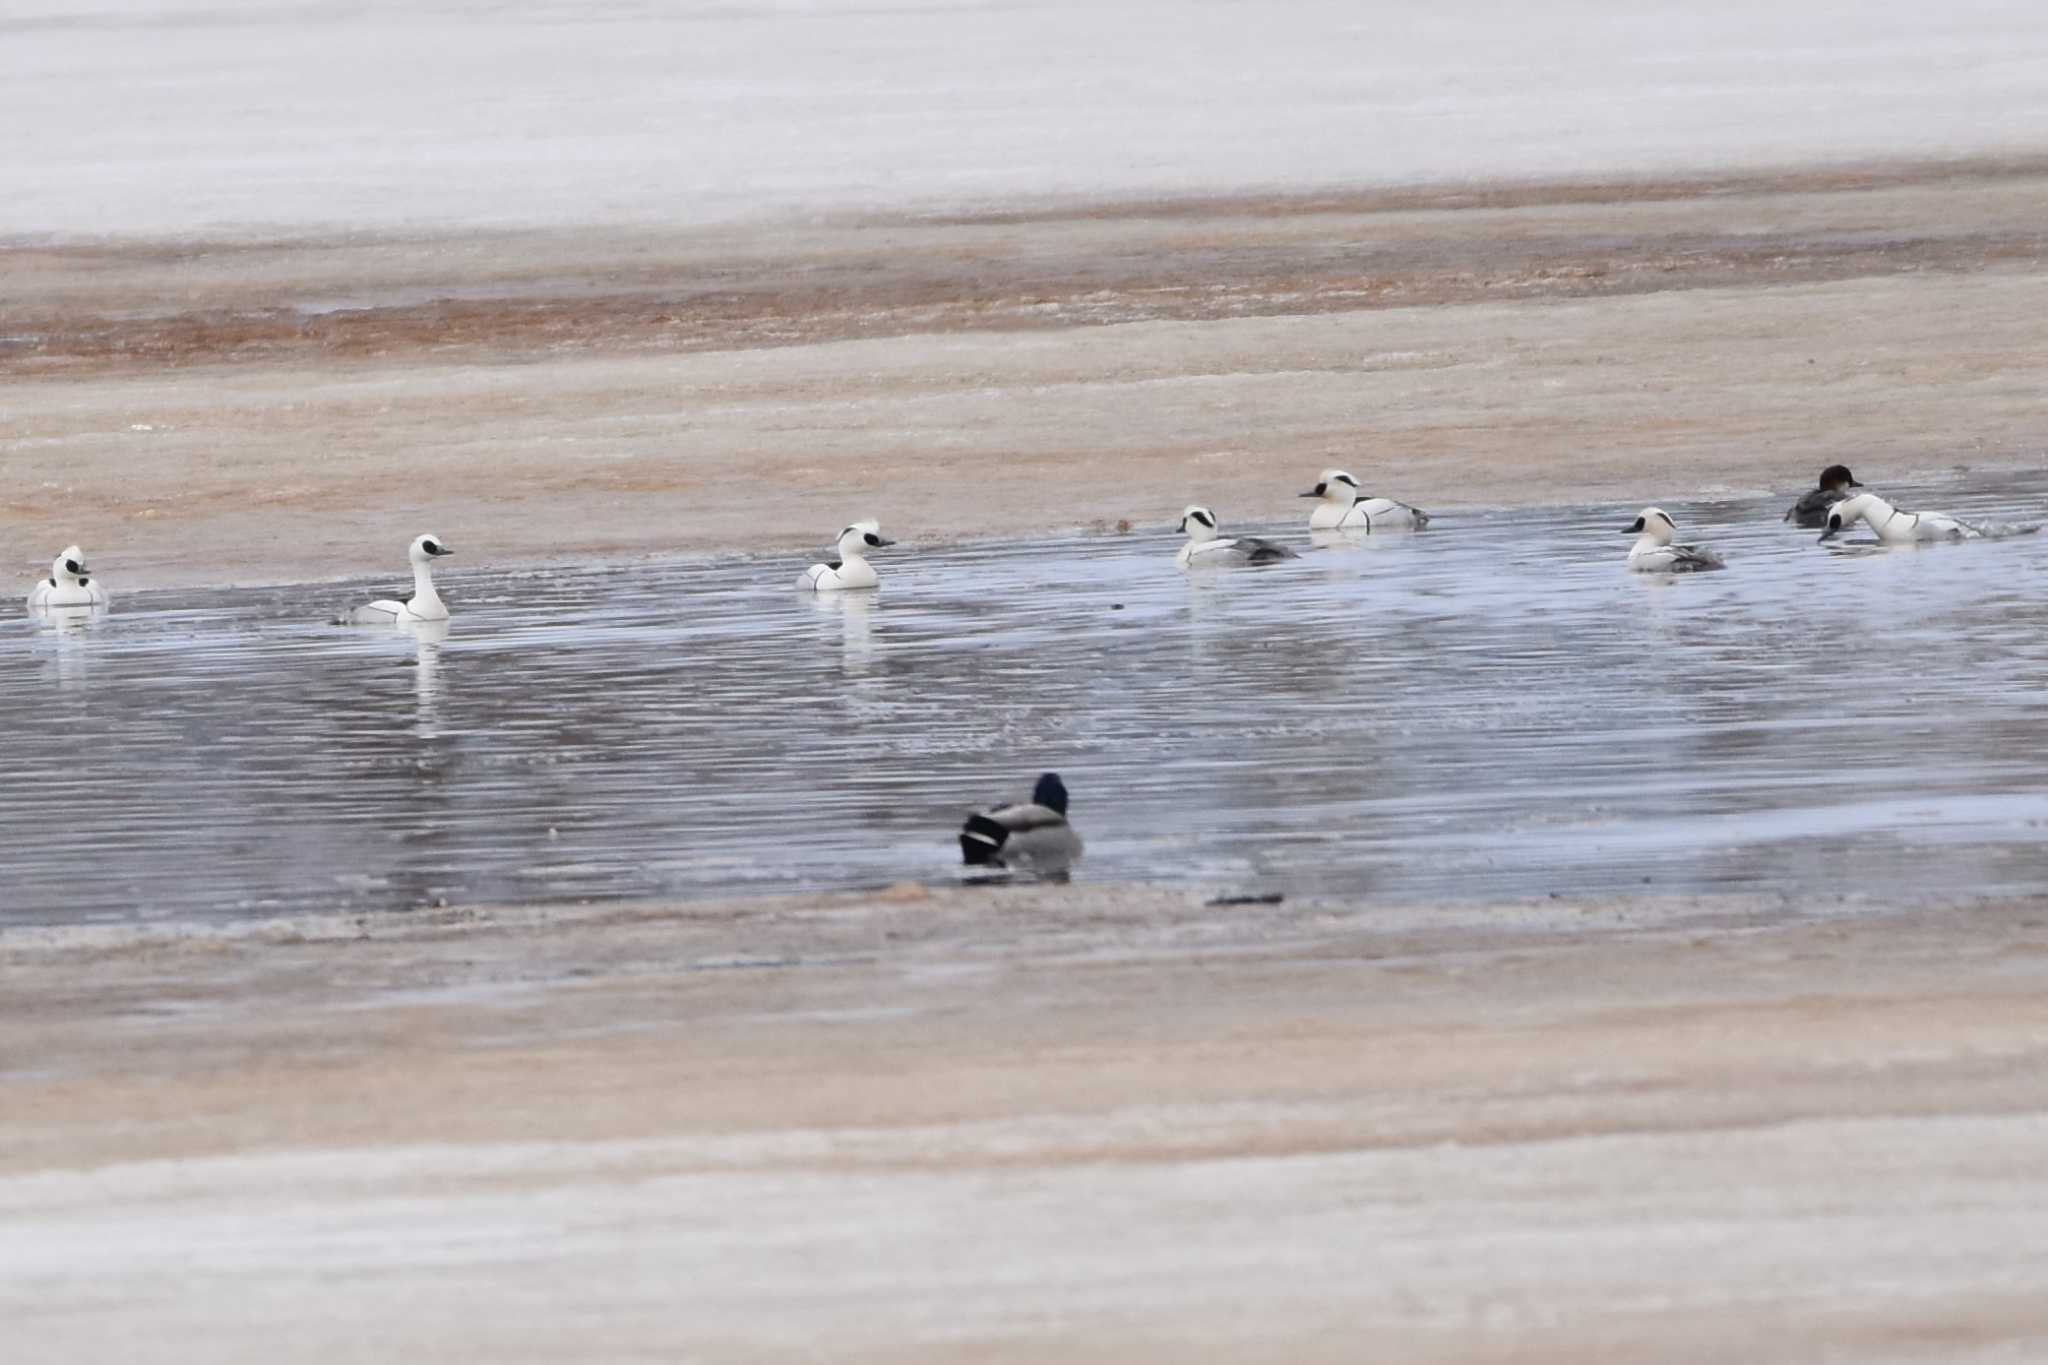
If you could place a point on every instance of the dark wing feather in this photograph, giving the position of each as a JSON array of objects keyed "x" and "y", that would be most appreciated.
[
  {"x": 1693, "y": 559},
  {"x": 981, "y": 841},
  {"x": 1258, "y": 551},
  {"x": 1035, "y": 832},
  {"x": 1812, "y": 510}
]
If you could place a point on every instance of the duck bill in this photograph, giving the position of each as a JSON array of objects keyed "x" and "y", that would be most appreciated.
[
  {"x": 1829, "y": 534},
  {"x": 880, "y": 541},
  {"x": 1310, "y": 494},
  {"x": 441, "y": 550}
]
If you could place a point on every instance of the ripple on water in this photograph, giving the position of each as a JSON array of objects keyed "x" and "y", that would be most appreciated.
[{"x": 1492, "y": 707}]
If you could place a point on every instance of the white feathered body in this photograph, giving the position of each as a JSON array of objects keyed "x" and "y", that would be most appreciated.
[
  {"x": 1648, "y": 556},
  {"x": 51, "y": 592},
  {"x": 1214, "y": 554},
  {"x": 1367, "y": 514},
  {"x": 395, "y": 611},
  {"x": 840, "y": 575},
  {"x": 851, "y": 571},
  {"x": 422, "y": 604},
  {"x": 1894, "y": 527},
  {"x": 70, "y": 584}
]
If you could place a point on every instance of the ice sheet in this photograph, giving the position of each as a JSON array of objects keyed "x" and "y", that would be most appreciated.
[{"x": 178, "y": 116}]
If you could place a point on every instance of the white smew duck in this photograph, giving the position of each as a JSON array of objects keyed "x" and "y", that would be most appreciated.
[
  {"x": 1653, "y": 551},
  {"x": 69, "y": 584},
  {"x": 1341, "y": 506},
  {"x": 851, "y": 569},
  {"x": 421, "y": 604},
  {"x": 1204, "y": 550},
  {"x": 1028, "y": 836},
  {"x": 1894, "y": 527}
]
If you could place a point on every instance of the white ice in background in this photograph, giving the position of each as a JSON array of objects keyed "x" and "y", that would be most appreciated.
[{"x": 171, "y": 116}]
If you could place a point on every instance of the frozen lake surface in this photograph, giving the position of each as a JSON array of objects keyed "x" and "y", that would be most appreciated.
[
  {"x": 146, "y": 117},
  {"x": 1493, "y": 707}
]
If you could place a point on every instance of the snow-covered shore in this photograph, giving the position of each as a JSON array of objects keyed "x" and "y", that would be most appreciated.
[{"x": 176, "y": 117}]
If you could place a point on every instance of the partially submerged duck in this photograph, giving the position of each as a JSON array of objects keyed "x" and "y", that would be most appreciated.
[
  {"x": 1205, "y": 550},
  {"x": 1342, "y": 506},
  {"x": 1653, "y": 551},
  {"x": 421, "y": 604},
  {"x": 1026, "y": 836},
  {"x": 70, "y": 584},
  {"x": 851, "y": 569},
  {"x": 1894, "y": 527},
  {"x": 1812, "y": 510}
]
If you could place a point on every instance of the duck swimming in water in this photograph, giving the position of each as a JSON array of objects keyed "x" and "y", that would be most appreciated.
[
  {"x": 1205, "y": 550},
  {"x": 69, "y": 584},
  {"x": 1028, "y": 836},
  {"x": 1812, "y": 510},
  {"x": 1341, "y": 506},
  {"x": 1894, "y": 527},
  {"x": 851, "y": 569},
  {"x": 421, "y": 604},
  {"x": 1653, "y": 551}
]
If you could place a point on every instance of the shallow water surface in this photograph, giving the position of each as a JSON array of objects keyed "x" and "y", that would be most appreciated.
[{"x": 1492, "y": 707}]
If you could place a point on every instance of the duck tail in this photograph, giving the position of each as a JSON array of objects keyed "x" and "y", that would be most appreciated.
[{"x": 981, "y": 841}]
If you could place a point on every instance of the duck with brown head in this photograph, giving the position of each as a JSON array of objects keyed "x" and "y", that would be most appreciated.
[{"x": 1812, "y": 509}]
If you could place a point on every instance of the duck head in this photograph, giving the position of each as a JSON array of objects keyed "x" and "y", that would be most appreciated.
[
  {"x": 1050, "y": 793},
  {"x": 428, "y": 548},
  {"x": 856, "y": 540},
  {"x": 69, "y": 566},
  {"x": 1653, "y": 522},
  {"x": 1198, "y": 522},
  {"x": 1847, "y": 513},
  {"x": 1837, "y": 479},
  {"x": 1334, "y": 485}
]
